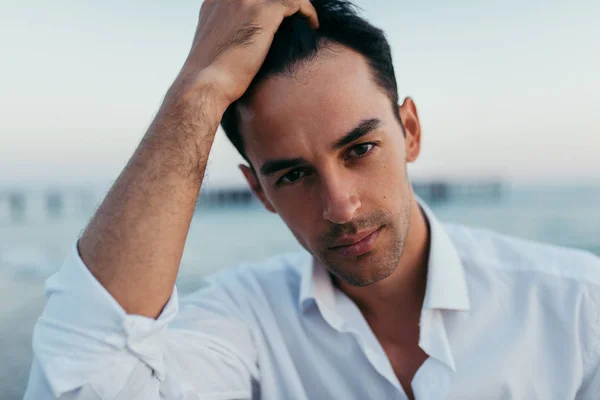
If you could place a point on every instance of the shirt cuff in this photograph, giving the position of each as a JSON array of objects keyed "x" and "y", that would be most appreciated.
[{"x": 83, "y": 330}]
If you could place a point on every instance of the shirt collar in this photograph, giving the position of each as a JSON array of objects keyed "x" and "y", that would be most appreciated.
[
  {"x": 446, "y": 281},
  {"x": 316, "y": 285}
]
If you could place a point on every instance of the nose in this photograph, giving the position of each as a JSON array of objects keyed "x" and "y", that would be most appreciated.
[{"x": 340, "y": 200}]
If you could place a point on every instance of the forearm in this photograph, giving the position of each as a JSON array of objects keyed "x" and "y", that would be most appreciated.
[{"x": 134, "y": 243}]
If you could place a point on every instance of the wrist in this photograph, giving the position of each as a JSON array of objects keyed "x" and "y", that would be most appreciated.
[{"x": 206, "y": 89}]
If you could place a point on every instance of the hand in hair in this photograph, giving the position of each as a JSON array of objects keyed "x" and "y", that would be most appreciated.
[{"x": 232, "y": 40}]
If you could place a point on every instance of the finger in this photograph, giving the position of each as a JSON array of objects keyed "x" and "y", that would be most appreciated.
[
  {"x": 304, "y": 7},
  {"x": 308, "y": 11}
]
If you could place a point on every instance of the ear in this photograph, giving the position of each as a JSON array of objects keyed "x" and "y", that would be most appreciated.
[
  {"x": 256, "y": 187},
  {"x": 412, "y": 129}
]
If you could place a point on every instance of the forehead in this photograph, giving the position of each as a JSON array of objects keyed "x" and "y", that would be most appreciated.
[{"x": 324, "y": 99}]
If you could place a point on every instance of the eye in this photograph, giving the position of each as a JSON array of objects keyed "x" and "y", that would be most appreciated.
[
  {"x": 291, "y": 177},
  {"x": 360, "y": 149}
]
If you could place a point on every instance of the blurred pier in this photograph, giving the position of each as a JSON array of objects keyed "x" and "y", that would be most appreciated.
[
  {"x": 224, "y": 197},
  {"x": 434, "y": 191},
  {"x": 19, "y": 204},
  {"x": 446, "y": 191}
]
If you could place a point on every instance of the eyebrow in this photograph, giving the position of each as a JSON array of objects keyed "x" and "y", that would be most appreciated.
[
  {"x": 363, "y": 128},
  {"x": 272, "y": 166}
]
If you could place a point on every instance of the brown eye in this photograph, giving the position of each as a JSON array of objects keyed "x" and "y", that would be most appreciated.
[
  {"x": 291, "y": 177},
  {"x": 361, "y": 149}
]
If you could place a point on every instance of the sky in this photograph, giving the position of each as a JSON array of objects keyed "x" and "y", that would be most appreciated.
[{"x": 505, "y": 89}]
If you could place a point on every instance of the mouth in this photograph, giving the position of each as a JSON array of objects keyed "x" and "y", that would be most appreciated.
[{"x": 357, "y": 245}]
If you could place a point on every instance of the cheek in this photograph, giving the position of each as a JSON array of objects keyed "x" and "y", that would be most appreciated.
[
  {"x": 298, "y": 214},
  {"x": 388, "y": 172},
  {"x": 298, "y": 209},
  {"x": 387, "y": 184}
]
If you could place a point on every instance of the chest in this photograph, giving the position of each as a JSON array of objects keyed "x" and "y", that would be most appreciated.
[
  {"x": 344, "y": 365},
  {"x": 406, "y": 361},
  {"x": 313, "y": 360},
  {"x": 400, "y": 343}
]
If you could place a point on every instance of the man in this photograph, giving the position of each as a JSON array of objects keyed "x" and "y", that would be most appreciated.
[{"x": 386, "y": 303}]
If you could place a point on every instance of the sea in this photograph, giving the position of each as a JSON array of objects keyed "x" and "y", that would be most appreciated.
[{"x": 34, "y": 243}]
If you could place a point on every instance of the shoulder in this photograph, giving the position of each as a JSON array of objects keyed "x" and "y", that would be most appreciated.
[
  {"x": 251, "y": 282},
  {"x": 275, "y": 270},
  {"x": 482, "y": 248}
]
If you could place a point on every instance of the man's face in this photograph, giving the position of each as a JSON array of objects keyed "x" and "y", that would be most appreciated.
[{"x": 330, "y": 157}]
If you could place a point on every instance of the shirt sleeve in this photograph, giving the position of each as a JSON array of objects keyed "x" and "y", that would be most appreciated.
[
  {"x": 590, "y": 389},
  {"x": 87, "y": 347}
]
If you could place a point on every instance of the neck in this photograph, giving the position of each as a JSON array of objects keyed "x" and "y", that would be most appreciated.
[{"x": 399, "y": 296}]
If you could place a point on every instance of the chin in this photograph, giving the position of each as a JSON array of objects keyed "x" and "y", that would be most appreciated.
[
  {"x": 364, "y": 271},
  {"x": 368, "y": 268},
  {"x": 361, "y": 280}
]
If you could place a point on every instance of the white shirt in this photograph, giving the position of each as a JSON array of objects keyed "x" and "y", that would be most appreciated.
[{"x": 502, "y": 319}]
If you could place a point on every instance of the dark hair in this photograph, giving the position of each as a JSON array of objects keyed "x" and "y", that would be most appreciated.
[{"x": 296, "y": 42}]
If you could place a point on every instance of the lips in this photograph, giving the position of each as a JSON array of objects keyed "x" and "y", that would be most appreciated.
[
  {"x": 354, "y": 246},
  {"x": 350, "y": 240}
]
